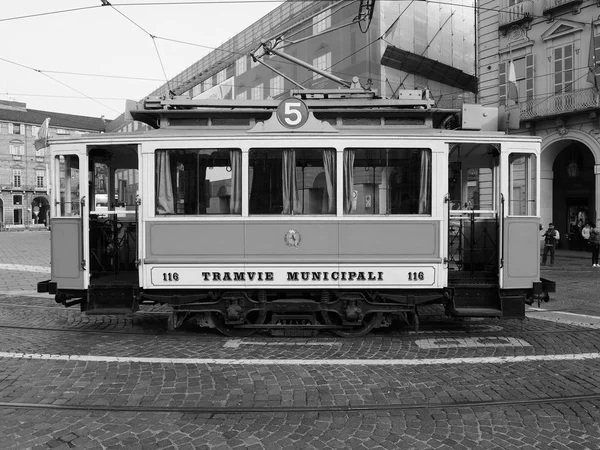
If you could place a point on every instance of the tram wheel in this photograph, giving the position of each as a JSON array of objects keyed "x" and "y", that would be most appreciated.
[
  {"x": 368, "y": 323},
  {"x": 253, "y": 318}
]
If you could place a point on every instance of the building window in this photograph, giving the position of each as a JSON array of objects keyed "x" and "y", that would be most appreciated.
[
  {"x": 524, "y": 72},
  {"x": 17, "y": 200},
  {"x": 563, "y": 69},
  {"x": 62, "y": 131},
  {"x": 241, "y": 95},
  {"x": 207, "y": 84},
  {"x": 34, "y": 130},
  {"x": 16, "y": 128},
  {"x": 322, "y": 22},
  {"x": 276, "y": 86},
  {"x": 257, "y": 92},
  {"x": 322, "y": 62},
  {"x": 221, "y": 76},
  {"x": 17, "y": 178},
  {"x": 39, "y": 178},
  {"x": 17, "y": 151},
  {"x": 196, "y": 90},
  {"x": 240, "y": 65}
]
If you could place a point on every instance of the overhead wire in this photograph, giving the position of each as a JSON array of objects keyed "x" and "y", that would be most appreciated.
[
  {"x": 107, "y": 3},
  {"x": 59, "y": 82},
  {"x": 154, "y": 37}
]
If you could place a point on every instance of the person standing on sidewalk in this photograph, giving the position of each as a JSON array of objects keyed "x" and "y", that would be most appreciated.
[
  {"x": 585, "y": 234},
  {"x": 595, "y": 244},
  {"x": 551, "y": 238}
]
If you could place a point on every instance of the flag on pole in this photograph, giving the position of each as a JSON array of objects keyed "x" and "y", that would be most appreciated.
[
  {"x": 513, "y": 92},
  {"x": 591, "y": 77},
  {"x": 42, "y": 136}
]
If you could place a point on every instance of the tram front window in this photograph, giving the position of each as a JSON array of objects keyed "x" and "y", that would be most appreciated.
[
  {"x": 522, "y": 180},
  {"x": 67, "y": 167},
  {"x": 198, "y": 181},
  {"x": 292, "y": 181},
  {"x": 387, "y": 181}
]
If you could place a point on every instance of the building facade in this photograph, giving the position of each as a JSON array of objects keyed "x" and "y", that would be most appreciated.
[
  {"x": 553, "y": 46},
  {"x": 410, "y": 45},
  {"x": 24, "y": 183}
]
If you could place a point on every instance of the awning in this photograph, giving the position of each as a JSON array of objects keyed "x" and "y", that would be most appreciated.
[{"x": 433, "y": 70}]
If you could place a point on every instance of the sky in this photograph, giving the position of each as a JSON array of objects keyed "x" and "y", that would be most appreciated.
[{"x": 80, "y": 57}]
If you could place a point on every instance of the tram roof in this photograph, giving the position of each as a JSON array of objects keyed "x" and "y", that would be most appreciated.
[{"x": 331, "y": 113}]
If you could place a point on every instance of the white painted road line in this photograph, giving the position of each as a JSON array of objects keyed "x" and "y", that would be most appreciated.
[
  {"x": 307, "y": 362},
  {"x": 235, "y": 343},
  {"x": 25, "y": 268},
  {"x": 471, "y": 342},
  {"x": 568, "y": 318}
]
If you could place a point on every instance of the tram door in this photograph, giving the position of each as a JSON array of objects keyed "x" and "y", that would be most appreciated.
[
  {"x": 474, "y": 214},
  {"x": 67, "y": 221},
  {"x": 521, "y": 235},
  {"x": 113, "y": 215}
]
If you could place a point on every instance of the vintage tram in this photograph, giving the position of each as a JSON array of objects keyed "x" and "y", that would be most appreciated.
[{"x": 333, "y": 210}]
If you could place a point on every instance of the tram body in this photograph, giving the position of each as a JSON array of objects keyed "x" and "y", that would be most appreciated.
[{"x": 316, "y": 212}]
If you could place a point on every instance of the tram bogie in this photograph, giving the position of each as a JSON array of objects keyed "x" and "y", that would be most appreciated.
[{"x": 337, "y": 214}]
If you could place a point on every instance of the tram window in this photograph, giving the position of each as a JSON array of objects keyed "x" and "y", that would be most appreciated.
[
  {"x": 522, "y": 183},
  {"x": 387, "y": 181},
  {"x": 292, "y": 181},
  {"x": 198, "y": 181},
  {"x": 68, "y": 189}
]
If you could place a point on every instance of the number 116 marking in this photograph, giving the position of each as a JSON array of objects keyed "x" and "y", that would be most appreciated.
[{"x": 416, "y": 276}]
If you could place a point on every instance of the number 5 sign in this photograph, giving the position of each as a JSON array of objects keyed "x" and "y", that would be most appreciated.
[{"x": 292, "y": 113}]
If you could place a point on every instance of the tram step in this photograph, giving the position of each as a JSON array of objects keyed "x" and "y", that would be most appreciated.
[
  {"x": 111, "y": 300},
  {"x": 477, "y": 312},
  {"x": 476, "y": 297}
]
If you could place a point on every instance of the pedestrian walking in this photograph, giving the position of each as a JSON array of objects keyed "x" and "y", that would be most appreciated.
[
  {"x": 551, "y": 238},
  {"x": 595, "y": 244}
]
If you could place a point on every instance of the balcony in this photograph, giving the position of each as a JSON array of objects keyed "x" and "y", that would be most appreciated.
[
  {"x": 560, "y": 104},
  {"x": 550, "y": 6},
  {"x": 515, "y": 14}
]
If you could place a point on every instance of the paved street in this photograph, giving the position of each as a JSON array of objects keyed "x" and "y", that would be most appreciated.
[{"x": 70, "y": 381}]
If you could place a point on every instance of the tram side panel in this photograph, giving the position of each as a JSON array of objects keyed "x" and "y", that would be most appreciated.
[{"x": 293, "y": 254}]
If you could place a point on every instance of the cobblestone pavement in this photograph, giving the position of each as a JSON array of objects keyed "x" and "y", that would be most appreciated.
[{"x": 70, "y": 381}]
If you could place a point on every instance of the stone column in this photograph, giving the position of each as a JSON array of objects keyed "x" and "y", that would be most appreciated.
[
  {"x": 597, "y": 192},
  {"x": 546, "y": 196}
]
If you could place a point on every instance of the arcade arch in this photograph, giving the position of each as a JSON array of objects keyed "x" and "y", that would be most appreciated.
[
  {"x": 570, "y": 183},
  {"x": 40, "y": 211}
]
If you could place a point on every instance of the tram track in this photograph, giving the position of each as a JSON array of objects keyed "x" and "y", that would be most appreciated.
[{"x": 212, "y": 409}]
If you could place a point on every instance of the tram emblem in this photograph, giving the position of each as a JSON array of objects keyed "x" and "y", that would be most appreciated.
[{"x": 292, "y": 238}]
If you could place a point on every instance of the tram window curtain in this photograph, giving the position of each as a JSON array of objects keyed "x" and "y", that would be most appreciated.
[
  {"x": 165, "y": 201},
  {"x": 425, "y": 187},
  {"x": 348, "y": 180},
  {"x": 291, "y": 202},
  {"x": 235, "y": 201},
  {"x": 329, "y": 169}
]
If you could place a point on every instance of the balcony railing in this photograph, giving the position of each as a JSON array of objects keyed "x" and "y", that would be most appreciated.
[
  {"x": 551, "y": 5},
  {"x": 514, "y": 14},
  {"x": 567, "y": 102}
]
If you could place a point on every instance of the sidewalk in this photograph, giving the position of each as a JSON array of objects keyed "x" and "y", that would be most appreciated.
[{"x": 570, "y": 260}]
